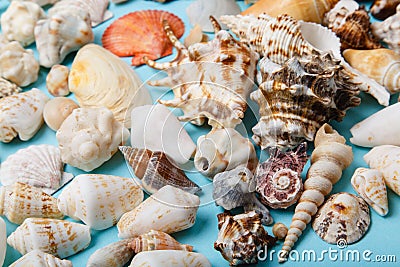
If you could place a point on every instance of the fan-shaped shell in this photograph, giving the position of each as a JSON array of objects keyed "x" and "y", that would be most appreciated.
[
  {"x": 388, "y": 31},
  {"x": 382, "y": 9},
  {"x": 157, "y": 240},
  {"x": 343, "y": 217},
  {"x": 40, "y": 258},
  {"x": 171, "y": 258},
  {"x": 8, "y": 88},
  {"x": 140, "y": 34},
  {"x": 116, "y": 254},
  {"x": 36, "y": 165}
]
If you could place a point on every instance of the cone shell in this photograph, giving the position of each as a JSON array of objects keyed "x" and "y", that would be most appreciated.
[
  {"x": 8, "y": 88},
  {"x": 39, "y": 258},
  {"x": 99, "y": 200},
  {"x": 172, "y": 258},
  {"x": 57, "y": 237},
  {"x": 116, "y": 254},
  {"x": 157, "y": 240},
  {"x": 3, "y": 241},
  {"x": 382, "y": 9},
  {"x": 22, "y": 115},
  {"x": 156, "y": 170},
  {"x": 20, "y": 201},
  {"x": 57, "y": 110},
  {"x": 100, "y": 79},
  {"x": 57, "y": 80},
  {"x": 169, "y": 210},
  {"x": 241, "y": 237},
  {"x": 343, "y": 217},
  {"x": 140, "y": 34},
  {"x": 370, "y": 185},
  {"x": 388, "y": 31}
]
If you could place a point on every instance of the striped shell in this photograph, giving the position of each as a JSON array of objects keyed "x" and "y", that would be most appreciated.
[
  {"x": 116, "y": 254},
  {"x": 157, "y": 240},
  {"x": 37, "y": 258}
]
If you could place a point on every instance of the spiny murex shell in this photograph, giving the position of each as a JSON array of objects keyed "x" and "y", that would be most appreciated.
[
  {"x": 19, "y": 20},
  {"x": 8, "y": 88},
  {"x": 57, "y": 237},
  {"x": 370, "y": 185},
  {"x": 89, "y": 137},
  {"x": 241, "y": 237},
  {"x": 344, "y": 216},
  {"x": 298, "y": 98},
  {"x": 37, "y": 258},
  {"x": 171, "y": 258},
  {"x": 169, "y": 210},
  {"x": 99, "y": 200},
  {"x": 210, "y": 80},
  {"x": 385, "y": 158},
  {"x": 223, "y": 150},
  {"x": 100, "y": 79},
  {"x": 116, "y": 254},
  {"x": 157, "y": 240},
  {"x": 20, "y": 201},
  {"x": 388, "y": 31},
  {"x": 36, "y": 165}
]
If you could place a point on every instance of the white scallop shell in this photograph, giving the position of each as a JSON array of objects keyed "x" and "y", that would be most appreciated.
[
  {"x": 19, "y": 20},
  {"x": 3, "y": 241},
  {"x": 99, "y": 200},
  {"x": 57, "y": 237},
  {"x": 169, "y": 210},
  {"x": 37, "y": 258},
  {"x": 57, "y": 80},
  {"x": 36, "y": 165},
  {"x": 171, "y": 258},
  {"x": 22, "y": 115}
]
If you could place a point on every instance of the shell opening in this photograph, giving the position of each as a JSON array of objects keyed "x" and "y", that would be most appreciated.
[{"x": 204, "y": 164}]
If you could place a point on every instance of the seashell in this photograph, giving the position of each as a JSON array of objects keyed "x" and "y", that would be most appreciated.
[
  {"x": 156, "y": 128},
  {"x": 169, "y": 210},
  {"x": 43, "y": 2},
  {"x": 89, "y": 137},
  {"x": 19, "y": 20},
  {"x": 57, "y": 80},
  {"x": 17, "y": 64},
  {"x": 388, "y": 31},
  {"x": 306, "y": 10},
  {"x": 329, "y": 158},
  {"x": 223, "y": 150},
  {"x": 352, "y": 26},
  {"x": 377, "y": 129},
  {"x": 40, "y": 258},
  {"x": 241, "y": 237},
  {"x": 279, "y": 180},
  {"x": 279, "y": 230},
  {"x": 195, "y": 36},
  {"x": 8, "y": 88},
  {"x": 116, "y": 254},
  {"x": 201, "y": 71},
  {"x": 100, "y": 79},
  {"x": 344, "y": 216},
  {"x": 236, "y": 188},
  {"x": 370, "y": 185},
  {"x": 3, "y": 241},
  {"x": 20, "y": 201},
  {"x": 99, "y": 200},
  {"x": 65, "y": 30},
  {"x": 37, "y": 165},
  {"x": 57, "y": 237},
  {"x": 171, "y": 258},
  {"x": 57, "y": 110},
  {"x": 382, "y": 9},
  {"x": 21, "y": 115},
  {"x": 157, "y": 240},
  {"x": 199, "y": 12},
  {"x": 298, "y": 98},
  {"x": 385, "y": 158},
  {"x": 140, "y": 34},
  {"x": 156, "y": 170}
]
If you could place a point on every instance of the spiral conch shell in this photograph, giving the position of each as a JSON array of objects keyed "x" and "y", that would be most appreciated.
[
  {"x": 116, "y": 254},
  {"x": 40, "y": 258},
  {"x": 19, "y": 20},
  {"x": 370, "y": 185},
  {"x": 99, "y": 200},
  {"x": 388, "y": 31},
  {"x": 22, "y": 115},
  {"x": 57, "y": 237},
  {"x": 89, "y": 137},
  {"x": 330, "y": 157},
  {"x": 100, "y": 79},
  {"x": 210, "y": 80}
]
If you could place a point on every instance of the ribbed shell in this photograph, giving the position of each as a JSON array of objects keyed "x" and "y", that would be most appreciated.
[
  {"x": 156, "y": 170},
  {"x": 157, "y": 240},
  {"x": 8, "y": 88},
  {"x": 20, "y": 201},
  {"x": 37, "y": 258},
  {"x": 116, "y": 254}
]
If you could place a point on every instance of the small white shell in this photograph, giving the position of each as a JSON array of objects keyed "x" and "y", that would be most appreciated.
[
  {"x": 370, "y": 185},
  {"x": 21, "y": 115},
  {"x": 19, "y": 20},
  {"x": 57, "y": 110},
  {"x": 57, "y": 237},
  {"x": 99, "y": 200},
  {"x": 89, "y": 137},
  {"x": 37, "y": 258},
  {"x": 116, "y": 254},
  {"x": 171, "y": 258},
  {"x": 17, "y": 64},
  {"x": 57, "y": 80},
  {"x": 169, "y": 210},
  {"x": 3, "y": 241}
]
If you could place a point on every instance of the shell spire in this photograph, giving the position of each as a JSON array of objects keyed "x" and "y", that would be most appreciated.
[
  {"x": 157, "y": 240},
  {"x": 330, "y": 157}
]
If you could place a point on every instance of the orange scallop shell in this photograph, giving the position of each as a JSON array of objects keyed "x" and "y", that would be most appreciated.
[{"x": 140, "y": 34}]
